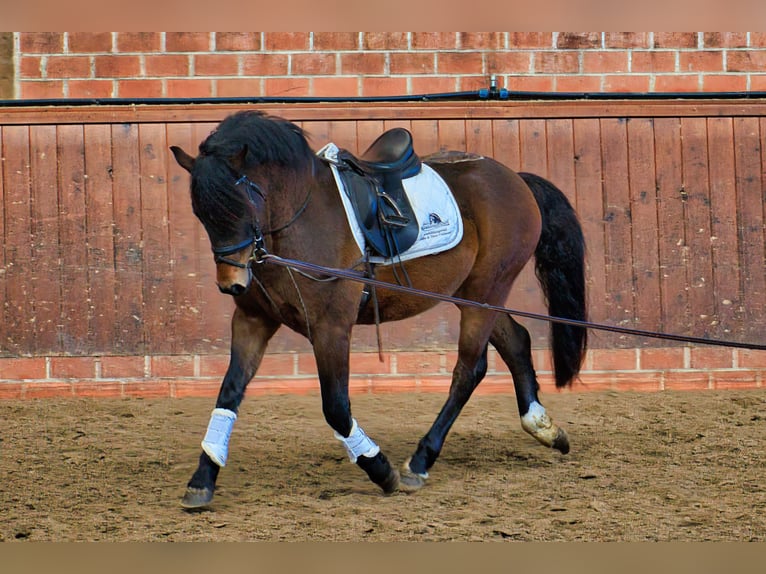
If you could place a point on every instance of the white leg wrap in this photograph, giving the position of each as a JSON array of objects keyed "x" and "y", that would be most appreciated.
[
  {"x": 216, "y": 441},
  {"x": 537, "y": 423},
  {"x": 358, "y": 443}
]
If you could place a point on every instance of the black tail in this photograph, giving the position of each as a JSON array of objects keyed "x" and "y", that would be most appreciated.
[{"x": 560, "y": 268}]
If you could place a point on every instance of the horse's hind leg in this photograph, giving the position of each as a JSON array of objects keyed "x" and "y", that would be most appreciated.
[
  {"x": 514, "y": 346},
  {"x": 331, "y": 350},
  {"x": 469, "y": 370},
  {"x": 250, "y": 336}
]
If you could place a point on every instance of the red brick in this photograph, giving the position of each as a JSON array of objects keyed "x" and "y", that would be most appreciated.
[
  {"x": 604, "y": 62},
  {"x": 495, "y": 385},
  {"x": 91, "y": 88},
  {"x": 686, "y": 380},
  {"x": 278, "y": 365},
  {"x": 90, "y": 42},
  {"x": 750, "y": 359},
  {"x": 139, "y": 42},
  {"x": 434, "y": 384},
  {"x": 22, "y": 368},
  {"x": 30, "y": 67},
  {"x": 73, "y": 367},
  {"x": 42, "y": 90},
  {"x": 163, "y": 65},
  {"x": 557, "y": 63},
  {"x": 735, "y": 380},
  {"x": 418, "y": 363},
  {"x": 725, "y": 39},
  {"x": 335, "y": 87},
  {"x": 412, "y": 63},
  {"x": 472, "y": 83},
  {"x": 384, "y": 86},
  {"x": 117, "y": 66},
  {"x": 213, "y": 365},
  {"x": 578, "y": 40},
  {"x": 98, "y": 389},
  {"x": 314, "y": 64},
  {"x": 758, "y": 39},
  {"x": 675, "y": 39},
  {"x": 114, "y": 367},
  {"x": 68, "y": 67},
  {"x": 147, "y": 389},
  {"x": 382, "y": 385},
  {"x": 335, "y": 41},
  {"x": 289, "y": 87},
  {"x": 626, "y": 83},
  {"x": 286, "y": 41},
  {"x": 171, "y": 366},
  {"x": 591, "y": 382},
  {"x": 649, "y": 381},
  {"x": 264, "y": 64},
  {"x": 653, "y": 62},
  {"x": 237, "y": 41},
  {"x": 704, "y": 61},
  {"x": 434, "y": 40},
  {"x": 724, "y": 83},
  {"x": 385, "y": 40},
  {"x": 10, "y": 390},
  {"x": 509, "y": 62},
  {"x": 481, "y": 40},
  {"x": 238, "y": 87},
  {"x": 530, "y": 83},
  {"x": 41, "y": 42},
  {"x": 363, "y": 63},
  {"x": 459, "y": 63},
  {"x": 613, "y": 359},
  {"x": 662, "y": 358},
  {"x": 758, "y": 82},
  {"x": 282, "y": 386},
  {"x": 47, "y": 390},
  {"x": 187, "y": 42},
  {"x": 626, "y": 40},
  {"x": 216, "y": 65},
  {"x": 578, "y": 83},
  {"x": 201, "y": 88},
  {"x": 369, "y": 363},
  {"x": 676, "y": 83},
  {"x": 194, "y": 388},
  {"x": 711, "y": 358},
  {"x": 433, "y": 85},
  {"x": 140, "y": 89},
  {"x": 526, "y": 40},
  {"x": 750, "y": 61}
]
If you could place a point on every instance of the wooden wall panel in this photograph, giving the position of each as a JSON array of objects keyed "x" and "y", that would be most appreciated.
[{"x": 101, "y": 253}]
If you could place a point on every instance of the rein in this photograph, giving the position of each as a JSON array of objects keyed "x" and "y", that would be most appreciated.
[{"x": 361, "y": 278}]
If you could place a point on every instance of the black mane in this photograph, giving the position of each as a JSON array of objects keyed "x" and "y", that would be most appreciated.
[{"x": 268, "y": 140}]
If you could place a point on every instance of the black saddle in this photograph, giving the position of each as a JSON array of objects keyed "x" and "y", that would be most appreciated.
[{"x": 373, "y": 183}]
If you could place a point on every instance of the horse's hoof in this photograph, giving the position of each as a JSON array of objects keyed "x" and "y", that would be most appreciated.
[
  {"x": 391, "y": 485},
  {"x": 410, "y": 481},
  {"x": 561, "y": 442},
  {"x": 197, "y": 497}
]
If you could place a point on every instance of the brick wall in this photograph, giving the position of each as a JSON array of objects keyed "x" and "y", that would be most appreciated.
[{"x": 229, "y": 64}]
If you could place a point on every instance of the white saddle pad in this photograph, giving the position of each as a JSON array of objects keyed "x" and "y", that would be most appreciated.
[{"x": 435, "y": 208}]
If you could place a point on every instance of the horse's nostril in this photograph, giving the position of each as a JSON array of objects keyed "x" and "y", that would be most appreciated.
[{"x": 233, "y": 289}]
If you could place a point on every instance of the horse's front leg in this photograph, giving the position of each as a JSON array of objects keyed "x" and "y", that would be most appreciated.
[
  {"x": 249, "y": 337},
  {"x": 331, "y": 349}
]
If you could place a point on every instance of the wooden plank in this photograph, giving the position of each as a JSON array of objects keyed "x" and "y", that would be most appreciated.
[
  {"x": 478, "y": 137},
  {"x": 618, "y": 250},
  {"x": 533, "y": 146},
  {"x": 342, "y": 111},
  {"x": 46, "y": 245},
  {"x": 99, "y": 232},
  {"x": 367, "y": 131},
  {"x": 643, "y": 209},
  {"x": 724, "y": 241},
  {"x": 560, "y": 143},
  {"x": 590, "y": 209},
  {"x": 425, "y": 136},
  {"x": 699, "y": 274},
  {"x": 128, "y": 251},
  {"x": 159, "y": 317},
  {"x": 18, "y": 330},
  {"x": 747, "y": 147},
  {"x": 75, "y": 307},
  {"x": 505, "y": 143},
  {"x": 452, "y": 135},
  {"x": 671, "y": 213}
]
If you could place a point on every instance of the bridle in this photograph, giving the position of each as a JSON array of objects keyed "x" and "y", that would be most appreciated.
[{"x": 221, "y": 254}]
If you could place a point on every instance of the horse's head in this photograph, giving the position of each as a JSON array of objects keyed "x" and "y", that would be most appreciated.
[{"x": 227, "y": 206}]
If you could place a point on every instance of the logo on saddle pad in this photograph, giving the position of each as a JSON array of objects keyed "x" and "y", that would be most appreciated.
[{"x": 434, "y": 227}]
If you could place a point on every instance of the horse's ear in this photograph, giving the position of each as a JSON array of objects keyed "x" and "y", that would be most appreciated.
[
  {"x": 237, "y": 161},
  {"x": 184, "y": 159}
]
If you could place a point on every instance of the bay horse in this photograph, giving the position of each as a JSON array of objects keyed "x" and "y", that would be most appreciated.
[{"x": 258, "y": 187}]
